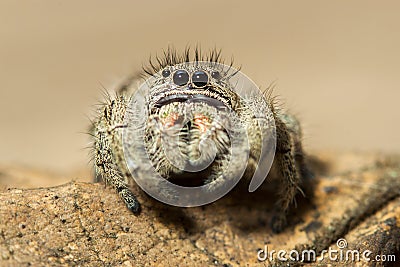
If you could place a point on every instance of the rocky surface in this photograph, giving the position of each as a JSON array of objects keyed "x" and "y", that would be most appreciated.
[{"x": 355, "y": 197}]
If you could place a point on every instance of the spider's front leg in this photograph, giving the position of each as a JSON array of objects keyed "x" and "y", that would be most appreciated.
[
  {"x": 289, "y": 162},
  {"x": 108, "y": 154}
]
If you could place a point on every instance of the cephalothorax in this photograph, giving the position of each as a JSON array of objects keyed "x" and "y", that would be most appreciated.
[{"x": 188, "y": 129}]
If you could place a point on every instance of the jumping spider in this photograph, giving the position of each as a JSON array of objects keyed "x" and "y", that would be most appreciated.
[{"x": 207, "y": 91}]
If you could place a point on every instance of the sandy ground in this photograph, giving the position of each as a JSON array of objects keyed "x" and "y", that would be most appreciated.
[
  {"x": 335, "y": 64},
  {"x": 355, "y": 200}
]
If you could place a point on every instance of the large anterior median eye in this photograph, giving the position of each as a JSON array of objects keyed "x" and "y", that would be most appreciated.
[
  {"x": 200, "y": 78},
  {"x": 181, "y": 77}
]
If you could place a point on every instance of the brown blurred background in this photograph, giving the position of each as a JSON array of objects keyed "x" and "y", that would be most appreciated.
[{"x": 335, "y": 63}]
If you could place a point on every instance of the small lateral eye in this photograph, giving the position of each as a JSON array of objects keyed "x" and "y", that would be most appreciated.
[
  {"x": 200, "y": 79},
  {"x": 181, "y": 77},
  {"x": 216, "y": 75},
  {"x": 165, "y": 73}
]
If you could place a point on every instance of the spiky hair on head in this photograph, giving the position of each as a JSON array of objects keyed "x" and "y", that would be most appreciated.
[{"x": 171, "y": 56}]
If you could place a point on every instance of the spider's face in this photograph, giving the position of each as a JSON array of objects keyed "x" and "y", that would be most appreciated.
[
  {"x": 193, "y": 82},
  {"x": 188, "y": 106}
]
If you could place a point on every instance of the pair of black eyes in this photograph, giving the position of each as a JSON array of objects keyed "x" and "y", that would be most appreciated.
[{"x": 181, "y": 77}]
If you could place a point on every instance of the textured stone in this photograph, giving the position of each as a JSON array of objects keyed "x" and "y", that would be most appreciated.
[{"x": 356, "y": 197}]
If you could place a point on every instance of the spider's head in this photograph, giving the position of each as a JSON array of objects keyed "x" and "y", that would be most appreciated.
[
  {"x": 189, "y": 104},
  {"x": 193, "y": 82},
  {"x": 195, "y": 119}
]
